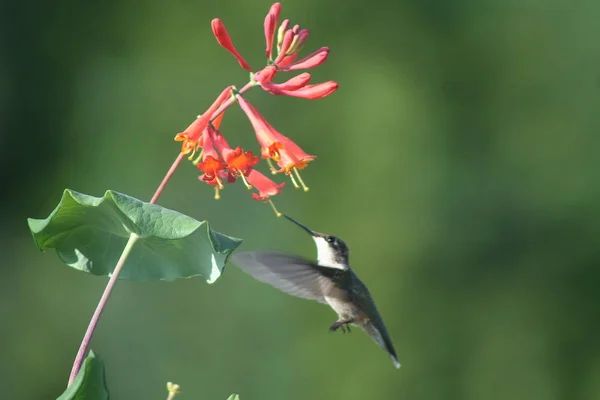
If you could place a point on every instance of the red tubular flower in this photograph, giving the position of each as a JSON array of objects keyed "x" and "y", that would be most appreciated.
[
  {"x": 311, "y": 61},
  {"x": 192, "y": 135},
  {"x": 288, "y": 155},
  {"x": 239, "y": 161},
  {"x": 211, "y": 162},
  {"x": 224, "y": 40},
  {"x": 211, "y": 167},
  {"x": 239, "y": 164},
  {"x": 214, "y": 173},
  {"x": 310, "y": 92},
  {"x": 270, "y": 25},
  {"x": 266, "y": 187},
  {"x": 295, "y": 83}
]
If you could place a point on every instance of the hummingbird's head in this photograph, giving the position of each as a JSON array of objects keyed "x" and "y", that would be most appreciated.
[{"x": 331, "y": 250}]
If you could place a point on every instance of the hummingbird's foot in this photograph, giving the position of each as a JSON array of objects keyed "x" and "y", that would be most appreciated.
[{"x": 345, "y": 325}]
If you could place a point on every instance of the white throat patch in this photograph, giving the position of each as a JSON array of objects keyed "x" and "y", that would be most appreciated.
[{"x": 325, "y": 255}]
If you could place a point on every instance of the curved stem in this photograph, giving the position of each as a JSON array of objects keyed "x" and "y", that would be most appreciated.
[
  {"x": 167, "y": 177},
  {"x": 85, "y": 343}
]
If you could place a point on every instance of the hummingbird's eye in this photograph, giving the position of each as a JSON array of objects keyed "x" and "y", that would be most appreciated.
[{"x": 331, "y": 239}]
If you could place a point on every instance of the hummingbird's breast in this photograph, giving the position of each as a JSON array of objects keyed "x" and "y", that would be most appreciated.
[{"x": 341, "y": 303}]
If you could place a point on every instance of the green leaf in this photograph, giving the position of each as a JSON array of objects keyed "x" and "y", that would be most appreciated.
[
  {"x": 90, "y": 382},
  {"x": 89, "y": 234},
  {"x": 233, "y": 397}
]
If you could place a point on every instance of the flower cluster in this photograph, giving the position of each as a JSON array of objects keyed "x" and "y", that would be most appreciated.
[{"x": 203, "y": 140}]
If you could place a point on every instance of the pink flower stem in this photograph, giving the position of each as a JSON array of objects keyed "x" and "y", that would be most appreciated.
[
  {"x": 101, "y": 304},
  {"x": 85, "y": 343},
  {"x": 167, "y": 178}
]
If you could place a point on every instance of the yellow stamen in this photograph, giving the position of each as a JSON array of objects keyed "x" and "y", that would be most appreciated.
[
  {"x": 219, "y": 182},
  {"x": 304, "y": 187},
  {"x": 272, "y": 167},
  {"x": 193, "y": 153},
  {"x": 277, "y": 213},
  {"x": 249, "y": 186},
  {"x": 217, "y": 195},
  {"x": 294, "y": 181},
  {"x": 199, "y": 158}
]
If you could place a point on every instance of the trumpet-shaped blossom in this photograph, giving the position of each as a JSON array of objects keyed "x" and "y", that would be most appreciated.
[
  {"x": 192, "y": 135},
  {"x": 274, "y": 145},
  {"x": 239, "y": 162},
  {"x": 212, "y": 165}
]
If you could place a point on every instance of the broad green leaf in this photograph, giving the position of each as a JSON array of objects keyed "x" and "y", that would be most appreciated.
[
  {"x": 234, "y": 397},
  {"x": 90, "y": 382},
  {"x": 89, "y": 234}
]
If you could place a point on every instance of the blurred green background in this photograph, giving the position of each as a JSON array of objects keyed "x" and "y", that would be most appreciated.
[{"x": 459, "y": 160}]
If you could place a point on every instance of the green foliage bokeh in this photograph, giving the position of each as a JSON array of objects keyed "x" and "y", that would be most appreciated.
[{"x": 458, "y": 160}]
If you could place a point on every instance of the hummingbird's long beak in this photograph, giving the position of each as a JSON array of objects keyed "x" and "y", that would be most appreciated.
[{"x": 310, "y": 231}]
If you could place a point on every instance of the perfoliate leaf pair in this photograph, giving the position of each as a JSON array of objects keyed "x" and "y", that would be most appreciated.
[{"x": 89, "y": 234}]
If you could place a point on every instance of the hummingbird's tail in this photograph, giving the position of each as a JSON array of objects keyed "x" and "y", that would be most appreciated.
[{"x": 381, "y": 337}]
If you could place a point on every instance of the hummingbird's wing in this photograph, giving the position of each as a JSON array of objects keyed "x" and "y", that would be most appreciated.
[{"x": 287, "y": 273}]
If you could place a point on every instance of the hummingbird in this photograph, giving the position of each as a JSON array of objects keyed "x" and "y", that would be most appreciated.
[{"x": 330, "y": 280}]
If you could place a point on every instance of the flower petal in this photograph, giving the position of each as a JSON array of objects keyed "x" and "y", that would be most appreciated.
[{"x": 224, "y": 40}]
